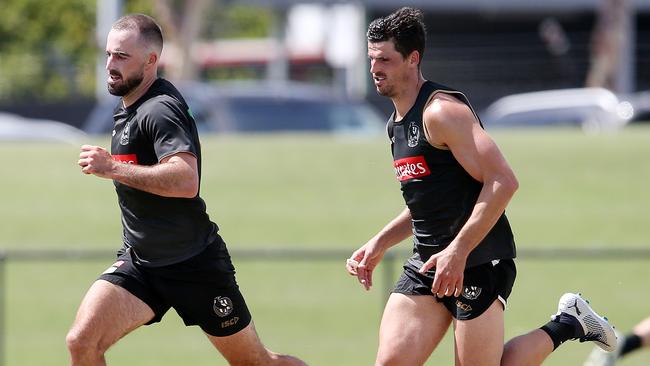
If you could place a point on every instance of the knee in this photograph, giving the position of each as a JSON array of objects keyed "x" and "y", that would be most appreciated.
[
  {"x": 75, "y": 342},
  {"x": 82, "y": 346},
  {"x": 387, "y": 360}
]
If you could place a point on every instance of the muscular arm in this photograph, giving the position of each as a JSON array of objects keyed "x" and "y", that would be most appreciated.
[
  {"x": 451, "y": 124},
  {"x": 174, "y": 176}
]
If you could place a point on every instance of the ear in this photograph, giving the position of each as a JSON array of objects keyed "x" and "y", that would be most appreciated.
[
  {"x": 414, "y": 58},
  {"x": 152, "y": 59}
]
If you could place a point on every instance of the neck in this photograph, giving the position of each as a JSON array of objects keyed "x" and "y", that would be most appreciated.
[
  {"x": 405, "y": 100},
  {"x": 139, "y": 91}
]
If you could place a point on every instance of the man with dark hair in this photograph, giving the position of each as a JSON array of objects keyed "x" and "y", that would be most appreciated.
[
  {"x": 456, "y": 185},
  {"x": 172, "y": 255}
]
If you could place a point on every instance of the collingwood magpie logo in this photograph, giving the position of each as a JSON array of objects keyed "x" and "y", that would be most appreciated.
[
  {"x": 124, "y": 139},
  {"x": 413, "y": 134},
  {"x": 471, "y": 292},
  {"x": 222, "y": 306}
]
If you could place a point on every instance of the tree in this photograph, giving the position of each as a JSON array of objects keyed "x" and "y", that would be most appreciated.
[
  {"x": 183, "y": 21},
  {"x": 46, "y": 50},
  {"x": 608, "y": 43}
]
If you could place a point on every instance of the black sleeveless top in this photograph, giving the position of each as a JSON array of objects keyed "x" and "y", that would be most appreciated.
[{"x": 437, "y": 190}]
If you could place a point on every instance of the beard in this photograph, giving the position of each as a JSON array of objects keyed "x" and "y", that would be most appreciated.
[
  {"x": 123, "y": 86},
  {"x": 386, "y": 91}
]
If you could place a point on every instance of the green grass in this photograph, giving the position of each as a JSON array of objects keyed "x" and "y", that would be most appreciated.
[{"x": 303, "y": 191}]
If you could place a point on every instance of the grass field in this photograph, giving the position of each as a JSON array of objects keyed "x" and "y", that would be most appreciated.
[{"x": 302, "y": 191}]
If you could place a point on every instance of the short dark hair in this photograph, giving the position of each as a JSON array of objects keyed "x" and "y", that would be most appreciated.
[
  {"x": 405, "y": 27},
  {"x": 146, "y": 26}
]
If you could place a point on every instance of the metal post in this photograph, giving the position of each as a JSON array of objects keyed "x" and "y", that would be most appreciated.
[
  {"x": 389, "y": 275},
  {"x": 108, "y": 11},
  {"x": 3, "y": 352}
]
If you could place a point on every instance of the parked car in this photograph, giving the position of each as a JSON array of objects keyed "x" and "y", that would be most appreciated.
[
  {"x": 641, "y": 103},
  {"x": 263, "y": 107},
  {"x": 592, "y": 109},
  {"x": 17, "y": 128}
]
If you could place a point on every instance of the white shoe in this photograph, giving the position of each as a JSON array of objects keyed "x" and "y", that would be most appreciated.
[
  {"x": 598, "y": 357},
  {"x": 595, "y": 328}
]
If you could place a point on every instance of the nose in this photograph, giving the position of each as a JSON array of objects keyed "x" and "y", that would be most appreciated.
[
  {"x": 373, "y": 66},
  {"x": 109, "y": 63}
]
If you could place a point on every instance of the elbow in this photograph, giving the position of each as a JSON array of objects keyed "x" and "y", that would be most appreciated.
[
  {"x": 192, "y": 189},
  {"x": 511, "y": 184},
  {"x": 189, "y": 188}
]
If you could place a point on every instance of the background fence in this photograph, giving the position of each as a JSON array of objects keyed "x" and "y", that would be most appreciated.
[{"x": 388, "y": 269}]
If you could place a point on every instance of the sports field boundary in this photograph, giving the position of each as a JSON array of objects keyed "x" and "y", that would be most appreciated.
[{"x": 285, "y": 254}]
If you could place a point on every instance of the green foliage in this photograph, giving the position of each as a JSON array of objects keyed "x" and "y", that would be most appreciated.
[
  {"x": 139, "y": 6},
  {"x": 239, "y": 21},
  {"x": 46, "y": 51}
]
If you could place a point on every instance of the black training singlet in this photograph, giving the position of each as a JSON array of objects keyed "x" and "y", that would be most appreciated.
[
  {"x": 438, "y": 191},
  {"x": 159, "y": 230}
]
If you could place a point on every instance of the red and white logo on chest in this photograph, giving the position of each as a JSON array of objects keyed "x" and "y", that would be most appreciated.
[
  {"x": 411, "y": 167},
  {"x": 126, "y": 158}
]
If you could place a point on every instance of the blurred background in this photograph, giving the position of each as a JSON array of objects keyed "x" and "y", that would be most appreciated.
[
  {"x": 52, "y": 59},
  {"x": 562, "y": 86}
]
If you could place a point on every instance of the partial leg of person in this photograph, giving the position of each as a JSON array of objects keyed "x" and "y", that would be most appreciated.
[
  {"x": 529, "y": 349},
  {"x": 638, "y": 338},
  {"x": 245, "y": 348},
  {"x": 411, "y": 328},
  {"x": 106, "y": 314},
  {"x": 575, "y": 319},
  {"x": 479, "y": 341}
]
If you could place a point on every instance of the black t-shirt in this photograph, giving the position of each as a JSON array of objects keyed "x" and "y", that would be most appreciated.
[
  {"x": 159, "y": 230},
  {"x": 437, "y": 190}
]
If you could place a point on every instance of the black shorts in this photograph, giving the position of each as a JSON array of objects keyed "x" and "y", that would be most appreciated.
[
  {"x": 482, "y": 285},
  {"x": 202, "y": 289}
]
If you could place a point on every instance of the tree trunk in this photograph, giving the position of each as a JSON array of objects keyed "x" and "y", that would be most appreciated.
[
  {"x": 608, "y": 46},
  {"x": 182, "y": 22}
]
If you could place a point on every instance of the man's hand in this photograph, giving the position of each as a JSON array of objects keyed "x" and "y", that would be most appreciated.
[
  {"x": 363, "y": 262},
  {"x": 450, "y": 267},
  {"x": 96, "y": 160}
]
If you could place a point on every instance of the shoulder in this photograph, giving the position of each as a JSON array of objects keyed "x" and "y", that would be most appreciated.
[
  {"x": 444, "y": 115},
  {"x": 443, "y": 108},
  {"x": 161, "y": 106}
]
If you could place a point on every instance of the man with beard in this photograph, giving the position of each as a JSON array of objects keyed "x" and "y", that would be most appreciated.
[
  {"x": 172, "y": 255},
  {"x": 456, "y": 185}
]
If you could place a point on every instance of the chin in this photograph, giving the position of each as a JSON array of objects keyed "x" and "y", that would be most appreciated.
[{"x": 385, "y": 92}]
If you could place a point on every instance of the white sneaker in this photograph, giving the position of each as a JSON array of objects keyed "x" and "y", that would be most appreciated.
[
  {"x": 594, "y": 327},
  {"x": 598, "y": 357}
]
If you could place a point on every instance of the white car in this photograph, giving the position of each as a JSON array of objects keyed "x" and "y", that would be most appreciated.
[
  {"x": 17, "y": 128},
  {"x": 593, "y": 109}
]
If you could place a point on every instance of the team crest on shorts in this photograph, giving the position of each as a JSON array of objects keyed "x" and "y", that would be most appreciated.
[
  {"x": 413, "y": 134},
  {"x": 222, "y": 306},
  {"x": 471, "y": 292}
]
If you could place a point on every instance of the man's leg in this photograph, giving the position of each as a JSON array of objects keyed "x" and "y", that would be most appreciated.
[
  {"x": 411, "y": 328},
  {"x": 528, "y": 349},
  {"x": 575, "y": 319},
  {"x": 638, "y": 338},
  {"x": 479, "y": 341},
  {"x": 244, "y": 348},
  {"x": 106, "y": 314}
]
